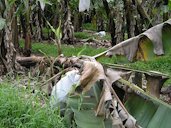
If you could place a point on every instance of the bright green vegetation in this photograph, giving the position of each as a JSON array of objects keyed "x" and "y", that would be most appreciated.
[
  {"x": 161, "y": 64},
  {"x": 81, "y": 35},
  {"x": 20, "y": 108},
  {"x": 89, "y": 26}
]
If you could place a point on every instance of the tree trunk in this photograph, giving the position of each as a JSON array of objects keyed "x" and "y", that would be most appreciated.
[
  {"x": 68, "y": 29},
  {"x": 78, "y": 21},
  {"x": 15, "y": 30},
  {"x": 143, "y": 14},
  {"x": 10, "y": 56},
  {"x": 100, "y": 22},
  {"x": 2, "y": 47},
  {"x": 129, "y": 18},
  {"x": 110, "y": 16},
  {"x": 27, "y": 45},
  {"x": 119, "y": 23},
  {"x": 38, "y": 34}
]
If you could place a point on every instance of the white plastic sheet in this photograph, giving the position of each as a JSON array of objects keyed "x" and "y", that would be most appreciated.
[
  {"x": 101, "y": 33},
  {"x": 84, "y": 5},
  {"x": 63, "y": 87}
]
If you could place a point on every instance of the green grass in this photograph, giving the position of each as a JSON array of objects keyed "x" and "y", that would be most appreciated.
[
  {"x": 89, "y": 26},
  {"x": 21, "y": 109},
  {"x": 81, "y": 35},
  {"x": 161, "y": 64},
  {"x": 68, "y": 50}
]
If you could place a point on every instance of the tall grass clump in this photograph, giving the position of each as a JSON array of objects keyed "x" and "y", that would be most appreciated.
[{"x": 20, "y": 108}]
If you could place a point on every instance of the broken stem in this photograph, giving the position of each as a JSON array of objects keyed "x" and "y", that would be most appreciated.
[{"x": 53, "y": 77}]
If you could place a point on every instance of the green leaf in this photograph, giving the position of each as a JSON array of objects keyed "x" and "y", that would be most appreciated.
[
  {"x": 87, "y": 103},
  {"x": 87, "y": 119},
  {"x": 2, "y": 23},
  {"x": 149, "y": 114},
  {"x": 84, "y": 110},
  {"x": 58, "y": 32},
  {"x": 51, "y": 27}
]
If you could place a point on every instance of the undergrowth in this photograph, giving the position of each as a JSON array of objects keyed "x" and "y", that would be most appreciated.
[{"x": 20, "y": 109}]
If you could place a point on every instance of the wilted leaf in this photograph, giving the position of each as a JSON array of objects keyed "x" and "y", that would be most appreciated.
[{"x": 92, "y": 72}]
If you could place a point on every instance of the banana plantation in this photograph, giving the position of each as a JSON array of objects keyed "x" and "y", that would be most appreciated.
[{"x": 85, "y": 63}]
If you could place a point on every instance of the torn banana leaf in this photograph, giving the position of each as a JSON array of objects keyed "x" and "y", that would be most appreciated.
[
  {"x": 149, "y": 114},
  {"x": 152, "y": 43}
]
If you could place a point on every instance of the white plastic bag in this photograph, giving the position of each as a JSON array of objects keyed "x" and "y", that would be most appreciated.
[
  {"x": 101, "y": 33},
  {"x": 84, "y": 5},
  {"x": 63, "y": 87}
]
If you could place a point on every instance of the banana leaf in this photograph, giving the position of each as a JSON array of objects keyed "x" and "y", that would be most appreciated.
[
  {"x": 87, "y": 119},
  {"x": 149, "y": 114},
  {"x": 148, "y": 45},
  {"x": 83, "y": 108}
]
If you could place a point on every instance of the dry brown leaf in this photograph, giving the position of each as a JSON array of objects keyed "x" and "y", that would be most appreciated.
[{"x": 92, "y": 72}]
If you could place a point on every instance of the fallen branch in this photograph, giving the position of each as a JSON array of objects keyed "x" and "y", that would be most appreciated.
[{"x": 29, "y": 61}]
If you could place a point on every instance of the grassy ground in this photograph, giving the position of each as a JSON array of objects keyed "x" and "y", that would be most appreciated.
[
  {"x": 68, "y": 50},
  {"x": 161, "y": 64},
  {"x": 19, "y": 109}
]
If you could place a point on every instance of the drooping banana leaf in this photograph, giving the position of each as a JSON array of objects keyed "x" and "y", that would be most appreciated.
[
  {"x": 149, "y": 114},
  {"x": 152, "y": 43}
]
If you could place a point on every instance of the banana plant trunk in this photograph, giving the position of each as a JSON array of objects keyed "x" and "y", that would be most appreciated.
[
  {"x": 78, "y": 21},
  {"x": 27, "y": 45},
  {"x": 68, "y": 29},
  {"x": 129, "y": 18},
  {"x": 7, "y": 49},
  {"x": 15, "y": 30},
  {"x": 110, "y": 15}
]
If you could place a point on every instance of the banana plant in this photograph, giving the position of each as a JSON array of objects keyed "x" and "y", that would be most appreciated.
[{"x": 58, "y": 36}]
